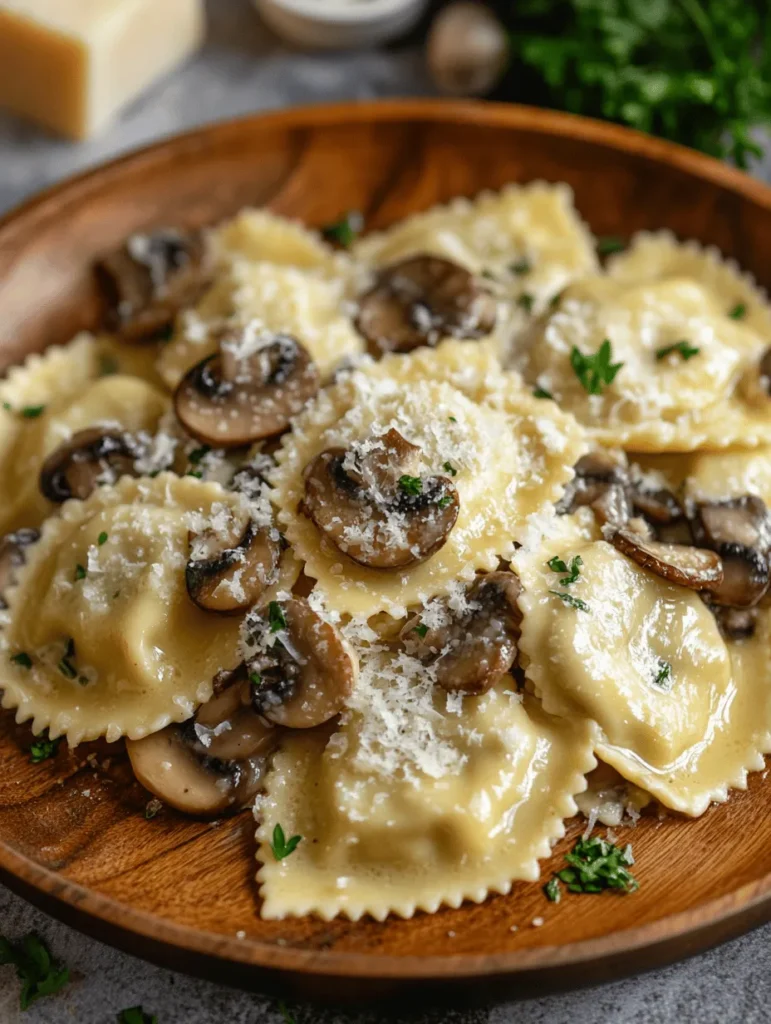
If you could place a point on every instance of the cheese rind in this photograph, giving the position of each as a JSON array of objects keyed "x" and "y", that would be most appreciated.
[{"x": 72, "y": 64}]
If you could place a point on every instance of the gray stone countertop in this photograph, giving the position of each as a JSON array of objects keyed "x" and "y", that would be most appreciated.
[{"x": 241, "y": 70}]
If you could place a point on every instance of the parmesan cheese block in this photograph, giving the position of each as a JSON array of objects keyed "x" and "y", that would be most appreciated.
[{"x": 71, "y": 64}]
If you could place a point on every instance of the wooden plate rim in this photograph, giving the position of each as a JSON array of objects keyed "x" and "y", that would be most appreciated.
[{"x": 728, "y": 913}]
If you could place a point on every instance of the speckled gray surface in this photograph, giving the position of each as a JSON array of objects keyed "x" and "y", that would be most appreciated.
[{"x": 242, "y": 70}]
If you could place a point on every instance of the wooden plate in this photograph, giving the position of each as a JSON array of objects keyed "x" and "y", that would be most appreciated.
[{"x": 181, "y": 892}]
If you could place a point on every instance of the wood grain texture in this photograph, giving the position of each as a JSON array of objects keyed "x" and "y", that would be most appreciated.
[{"x": 75, "y": 840}]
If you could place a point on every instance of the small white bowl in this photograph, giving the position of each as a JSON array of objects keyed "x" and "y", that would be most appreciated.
[{"x": 339, "y": 24}]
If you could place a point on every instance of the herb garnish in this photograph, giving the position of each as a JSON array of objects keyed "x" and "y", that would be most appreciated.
[
  {"x": 663, "y": 677},
  {"x": 102, "y": 538},
  {"x": 449, "y": 468},
  {"x": 38, "y": 973},
  {"x": 22, "y": 659},
  {"x": 411, "y": 485},
  {"x": 540, "y": 392},
  {"x": 525, "y": 301},
  {"x": 596, "y": 864},
  {"x": 66, "y": 668},
  {"x": 136, "y": 1015},
  {"x": 43, "y": 748},
  {"x": 556, "y": 564},
  {"x": 445, "y": 501},
  {"x": 552, "y": 891},
  {"x": 608, "y": 244},
  {"x": 276, "y": 617},
  {"x": 197, "y": 473},
  {"x": 346, "y": 230},
  {"x": 421, "y": 630},
  {"x": 523, "y": 266},
  {"x": 595, "y": 371},
  {"x": 288, "y": 1018},
  {"x": 31, "y": 412},
  {"x": 574, "y": 602},
  {"x": 681, "y": 347},
  {"x": 198, "y": 453},
  {"x": 738, "y": 312},
  {"x": 452, "y": 419},
  {"x": 7, "y": 406},
  {"x": 80, "y": 572},
  {"x": 255, "y": 679},
  {"x": 281, "y": 846}
]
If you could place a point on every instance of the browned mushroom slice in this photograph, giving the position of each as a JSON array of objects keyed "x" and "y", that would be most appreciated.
[
  {"x": 150, "y": 278},
  {"x": 695, "y": 568},
  {"x": 228, "y": 579},
  {"x": 12, "y": 556},
  {"x": 368, "y": 504},
  {"x": 227, "y": 727},
  {"x": 601, "y": 464},
  {"x": 171, "y": 768},
  {"x": 601, "y": 483},
  {"x": 658, "y": 506},
  {"x": 309, "y": 672},
  {"x": 229, "y": 403},
  {"x": 421, "y": 300},
  {"x": 478, "y": 648},
  {"x": 745, "y": 577},
  {"x": 737, "y": 623},
  {"x": 91, "y": 457},
  {"x": 739, "y": 530}
]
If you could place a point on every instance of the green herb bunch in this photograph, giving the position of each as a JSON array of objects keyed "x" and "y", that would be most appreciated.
[{"x": 696, "y": 71}]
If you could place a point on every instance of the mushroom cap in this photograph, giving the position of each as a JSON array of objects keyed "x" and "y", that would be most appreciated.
[
  {"x": 12, "y": 556},
  {"x": 739, "y": 530},
  {"x": 150, "y": 278},
  {"x": 373, "y": 509},
  {"x": 168, "y": 766},
  {"x": 230, "y": 579},
  {"x": 307, "y": 675},
  {"x": 475, "y": 650},
  {"x": 695, "y": 568},
  {"x": 226, "y": 727},
  {"x": 230, "y": 403},
  {"x": 421, "y": 300},
  {"x": 90, "y": 457}
]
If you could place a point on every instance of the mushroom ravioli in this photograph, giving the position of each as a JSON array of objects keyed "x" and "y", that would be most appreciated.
[{"x": 412, "y": 544}]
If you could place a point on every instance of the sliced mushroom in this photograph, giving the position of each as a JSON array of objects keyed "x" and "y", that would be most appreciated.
[
  {"x": 229, "y": 402},
  {"x": 475, "y": 650},
  {"x": 603, "y": 464},
  {"x": 739, "y": 530},
  {"x": 659, "y": 506},
  {"x": 421, "y": 300},
  {"x": 91, "y": 457},
  {"x": 737, "y": 623},
  {"x": 695, "y": 568},
  {"x": 150, "y": 278},
  {"x": 228, "y": 579},
  {"x": 227, "y": 727},
  {"x": 307, "y": 674},
  {"x": 601, "y": 483},
  {"x": 367, "y": 501},
  {"x": 12, "y": 556}
]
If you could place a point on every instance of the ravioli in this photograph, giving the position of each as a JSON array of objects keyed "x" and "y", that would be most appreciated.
[
  {"x": 508, "y": 467},
  {"x": 658, "y": 400},
  {"x": 261, "y": 236},
  {"x": 101, "y": 612},
  {"x": 412, "y": 808},
  {"x": 680, "y": 716}
]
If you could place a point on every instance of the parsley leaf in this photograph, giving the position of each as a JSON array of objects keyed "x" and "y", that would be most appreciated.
[
  {"x": 574, "y": 602},
  {"x": 449, "y": 468},
  {"x": 608, "y": 244},
  {"x": 43, "y": 748},
  {"x": 596, "y": 864},
  {"x": 542, "y": 393},
  {"x": 80, "y": 572},
  {"x": 136, "y": 1015},
  {"x": 663, "y": 676},
  {"x": 31, "y": 412},
  {"x": 421, "y": 630},
  {"x": 681, "y": 347},
  {"x": 67, "y": 669},
  {"x": 574, "y": 569},
  {"x": 411, "y": 485},
  {"x": 197, "y": 473},
  {"x": 738, "y": 312},
  {"x": 39, "y": 974},
  {"x": 281, "y": 846},
  {"x": 445, "y": 501},
  {"x": 525, "y": 301},
  {"x": 552, "y": 891},
  {"x": 523, "y": 266},
  {"x": 346, "y": 230},
  {"x": 102, "y": 538},
  {"x": 276, "y": 617},
  {"x": 197, "y": 454},
  {"x": 22, "y": 659},
  {"x": 595, "y": 371}
]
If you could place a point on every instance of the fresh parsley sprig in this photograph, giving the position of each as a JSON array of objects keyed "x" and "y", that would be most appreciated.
[
  {"x": 411, "y": 485},
  {"x": 346, "y": 230},
  {"x": 572, "y": 602},
  {"x": 597, "y": 864},
  {"x": 595, "y": 371},
  {"x": 556, "y": 564},
  {"x": 276, "y": 617},
  {"x": 43, "y": 748},
  {"x": 40, "y": 975},
  {"x": 281, "y": 846},
  {"x": 682, "y": 348}
]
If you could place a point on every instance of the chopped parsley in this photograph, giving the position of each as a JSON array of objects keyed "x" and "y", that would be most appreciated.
[
  {"x": 552, "y": 891},
  {"x": 608, "y": 244},
  {"x": 7, "y": 406},
  {"x": 411, "y": 485},
  {"x": 31, "y": 412},
  {"x": 682, "y": 348},
  {"x": 445, "y": 501},
  {"x": 574, "y": 602},
  {"x": 521, "y": 267},
  {"x": 136, "y": 1015},
  {"x": 596, "y": 865},
  {"x": 488, "y": 274},
  {"x": 39, "y": 974},
  {"x": 540, "y": 392},
  {"x": 197, "y": 473},
  {"x": 663, "y": 676},
  {"x": 346, "y": 230},
  {"x": 255, "y": 679},
  {"x": 452, "y": 419},
  {"x": 281, "y": 846},
  {"x": 738, "y": 312},
  {"x": 22, "y": 659},
  {"x": 421, "y": 630},
  {"x": 449, "y": 468},
  {"x": 596, "y": 371},
  {"x": 66, "y": 668},
  {"x": 556, "y": 564},
  {"x": 43, "y": 748},
  {"x": 102, "y": 538},
  {"x": 198, "y": 453},
  {"x": 525, "y": 301},
  {"x": 276, "y": 617},
  {"x": 80, "y": 572}
]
